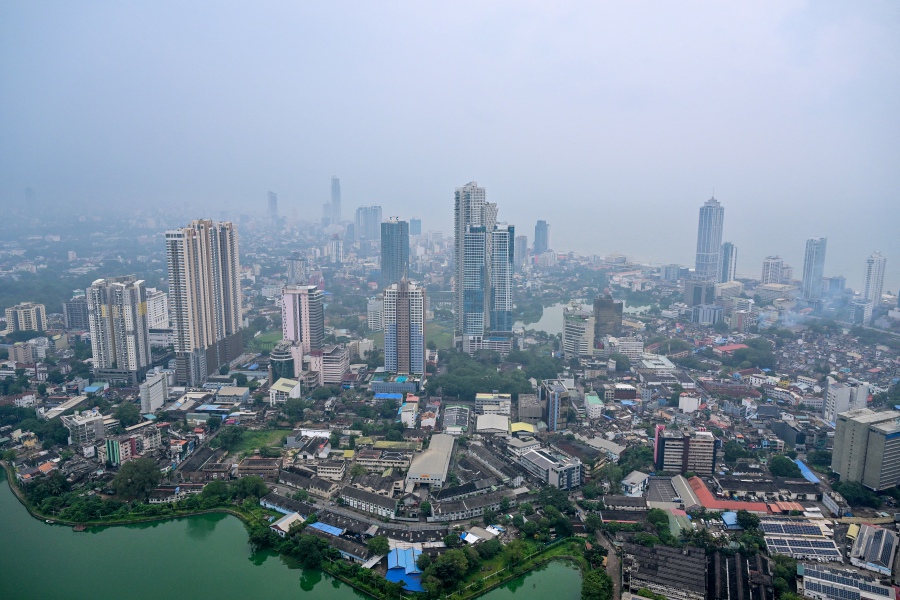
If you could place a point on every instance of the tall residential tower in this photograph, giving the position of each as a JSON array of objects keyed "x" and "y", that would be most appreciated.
[
  {"x": 813, "y": 268},
  {"x": 403, "y": 319},
  {"x": 120, "y": 336},
  {"x": 394, "y": 250},
  {"x": 709, "y": 240},
  {"x": 874, "y": 285},
  {"x": 205, "y": 298}
]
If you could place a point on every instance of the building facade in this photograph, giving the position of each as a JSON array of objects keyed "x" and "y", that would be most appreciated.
[
  {"x": 394, "y": 250},
  {"x": 874, "y": 284},
  {"x": 813, "y": 269},
  {"x": 727, "y": 262},
  {"x": 867, "y": 448},
  {"x": 26, "y": 316},
  {"x": 541, "y": 237},
  {"x": 709, "y": 240},
  {"x": 403, "y": 320},
  {"x": 120, "y": 334}
]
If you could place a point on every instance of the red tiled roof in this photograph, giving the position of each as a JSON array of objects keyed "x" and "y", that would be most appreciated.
[{"x": 708, "y": 501}]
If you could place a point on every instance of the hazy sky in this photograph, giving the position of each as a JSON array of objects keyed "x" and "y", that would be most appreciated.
[{"x": 614, "y": 122}]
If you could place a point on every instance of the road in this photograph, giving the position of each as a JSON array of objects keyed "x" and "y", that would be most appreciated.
[{"x": 613, "y": 568}]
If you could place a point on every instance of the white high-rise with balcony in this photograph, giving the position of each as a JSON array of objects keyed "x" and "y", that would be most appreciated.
[{"x": 874, "y": 284}]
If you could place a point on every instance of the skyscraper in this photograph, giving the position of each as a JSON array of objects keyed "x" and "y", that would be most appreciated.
[
  {"x": 336, "y": 249},
  {"x": 394, "y": 250},
  {"x": 874, "y": 285},
  {"x": 26, "y": 316},
  {"x": 500, "y": 277},
  {"x": 772, "y": 270},
  {"x": 709, "y": 240},
  {"x": 368, "y": 223},
  {"x": 728, "y": 262},
  {"x": 521, "y": 253},
  {"x": 541, "y": 237},
  {"x": 483, "y": 253},
  {"x": 415, "y": 226},
  {"x": 205, "y": 298},
  {"x": 607, "y": 317},
  {"x": 75, "y": 313},
  {"x": 403, "y": 319},
  {"x": 813, "y": 269},
  {"x": 335, "y": 200},
  {"x": 120, "y": 336}
]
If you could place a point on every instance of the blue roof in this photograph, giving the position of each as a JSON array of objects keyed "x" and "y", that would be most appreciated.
[
  {"x": 730, "y": 518},
  {"x": 402, "y": 567},
  {"x": 93, "y": 388},
  {"x": 807, "y": 474},
  {"x": 389, "y": 396},
  {"x": 329, "y": 529},
  {"x": 628, "y": 402}
]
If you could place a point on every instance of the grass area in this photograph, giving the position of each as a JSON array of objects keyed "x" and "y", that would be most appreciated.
[
  {"x": 264, "y": 341},
  {"x": 439, "y": 332},
  {"x": 252, "y": 440}
]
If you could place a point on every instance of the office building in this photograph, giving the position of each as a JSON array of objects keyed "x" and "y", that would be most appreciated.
[
  {"x": 555, "y": 396},
  {"x": 120, "y": 334},
  {"x": 336, "y": 249},
  {"x": 670, "y": 273},
  {"x": 521, "y": 252},
  {"x": 154, "y": 392},
  {"x": 403, "y": 320},
  {"x": 706, "y": 314},
  {"x": 861, "y": 311},
  {"x": 296, "y": 270},
  {"x": 841, "y": 397},
  {"x": 709, "y": 240},
  {"x": 415, "y": 226},
  {"x": 772, "y": 270},
  {"x": 697, "y": 291},
  {"x": 867, "y": 448},
  {"x": 84, "y": 427},
  {"x": 541, "y": 237},
  {"x": 554, "y": 469},
  {"x": 874, "y": 284},
  {"x": 375, "y": 312},
  {"x": 813, "y": 269},
  {"x": 483, "y": 255},
  {"x": 303, "y": 318},
  {"x": 75, "y": 313},
  {"x": 394, "y": 250},
  {"x": 728, "y": 262},
  {"x": 204, "y": 298},
  {"x": 607, "y": 317},
  {"x": 679, "y": 451},
  {"x": 368, "y": 223},
  {"x": 26, "y": 316},
  {"x": 578, "y": 331},
  {"x": 336, "y": 201}
]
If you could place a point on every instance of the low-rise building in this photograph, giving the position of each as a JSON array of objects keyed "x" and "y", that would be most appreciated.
[
  {"x": 560, "y": 471},
  {"x": 676, "y": 573},
  {"x": 362, "y": 500},
  {"x": 267, "y": 468}
]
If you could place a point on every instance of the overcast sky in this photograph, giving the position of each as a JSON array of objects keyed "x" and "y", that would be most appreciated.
[{"x": 614, "y": 122}]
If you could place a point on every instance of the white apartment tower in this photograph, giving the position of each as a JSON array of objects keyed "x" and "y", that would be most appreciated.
[
  {"x": 772, "y": 270},
  {"x": 120, "y": 336},
  {"x": 709, "y": 240},
  {"x": 302, "y": 321},
  {"x": 205, "y": 298},
  {"x": 875, "y": 266}
]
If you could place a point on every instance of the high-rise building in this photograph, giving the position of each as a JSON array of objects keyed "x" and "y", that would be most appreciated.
[
  {"x": 501, "y": 284},
  {"x": 205, "y": 298},
  {"x": 521, "y": 252},
  {"x": 728, "y": 259},
  {"x": 296, "y": 270},
  {"x": 303, "y": 318},
  {"x": 555, "y": 396},
  {"x": 120, "y": 336},
  {"x": 26, "y": 316},
  {"x": 483, "y": 254},
  {"x": 813, "y": 269},
  {"x": 154, "y": 392},
  {"x": 336, "y": 200},
  {"x": 336, "y": 249},
  {"x": 709, "y": 240},
  {"x": 273, "y": 208},
  {"x": 772, "y": 270},
  {"x": 403, "y": 320},
  {"x": 697, "y": 291},
  {"x": 394, "y": 250},
  {"x": 415, "y": 226},
  {"x": 541, "y": 237},
  {"x": 75, "y": 313},
  {"x": 578, "y": 331},
  {"x": 368, "y": 223},
  {"x": 867, "y": 448},
  {"x": 874, "y": 285},
  {"x": 607, "y": 317}
]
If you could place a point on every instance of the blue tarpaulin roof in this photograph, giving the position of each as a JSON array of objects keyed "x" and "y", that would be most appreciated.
[
  {"x": 402, "y": 567},
  {"x": 389, "y": 396},
  {"x": 807, "y": 474},
  {"x": 330, "y": 529}
]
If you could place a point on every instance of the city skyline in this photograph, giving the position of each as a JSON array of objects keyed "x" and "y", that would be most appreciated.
[{"x": 799, "y": 91}]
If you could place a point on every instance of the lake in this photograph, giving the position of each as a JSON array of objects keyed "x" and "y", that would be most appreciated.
[
  {"x": 201, "y": 557},
  {"x": 552, "y": 319}
]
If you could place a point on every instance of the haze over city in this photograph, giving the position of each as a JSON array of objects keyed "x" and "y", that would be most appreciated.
[{"x": 612, "y": 122}]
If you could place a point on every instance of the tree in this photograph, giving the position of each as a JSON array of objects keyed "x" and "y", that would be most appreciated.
[
  {"x": 136, "y": 478},
  {"x": 425, "y": 507},
  {"x": 357, "y": 470},
  {"x": 782, "y": 466},
  {"x": 240, "y": 379},
  {"x": 223, "y": 370},
  {"x": 248, "y": 487},
  {"x": 596, "y": 585},
  {"x": 128, "y": 414},
  {"x": 747, "y": 520},
  {"x": 623, "y": 363},
  {"x": 379, "y": 545},
  {"x": 230, "y": 437},
  {"x": 213, "y": 423}
]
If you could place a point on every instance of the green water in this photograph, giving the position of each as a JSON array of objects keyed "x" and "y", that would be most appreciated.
[{"x": 202, "y": 557}]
